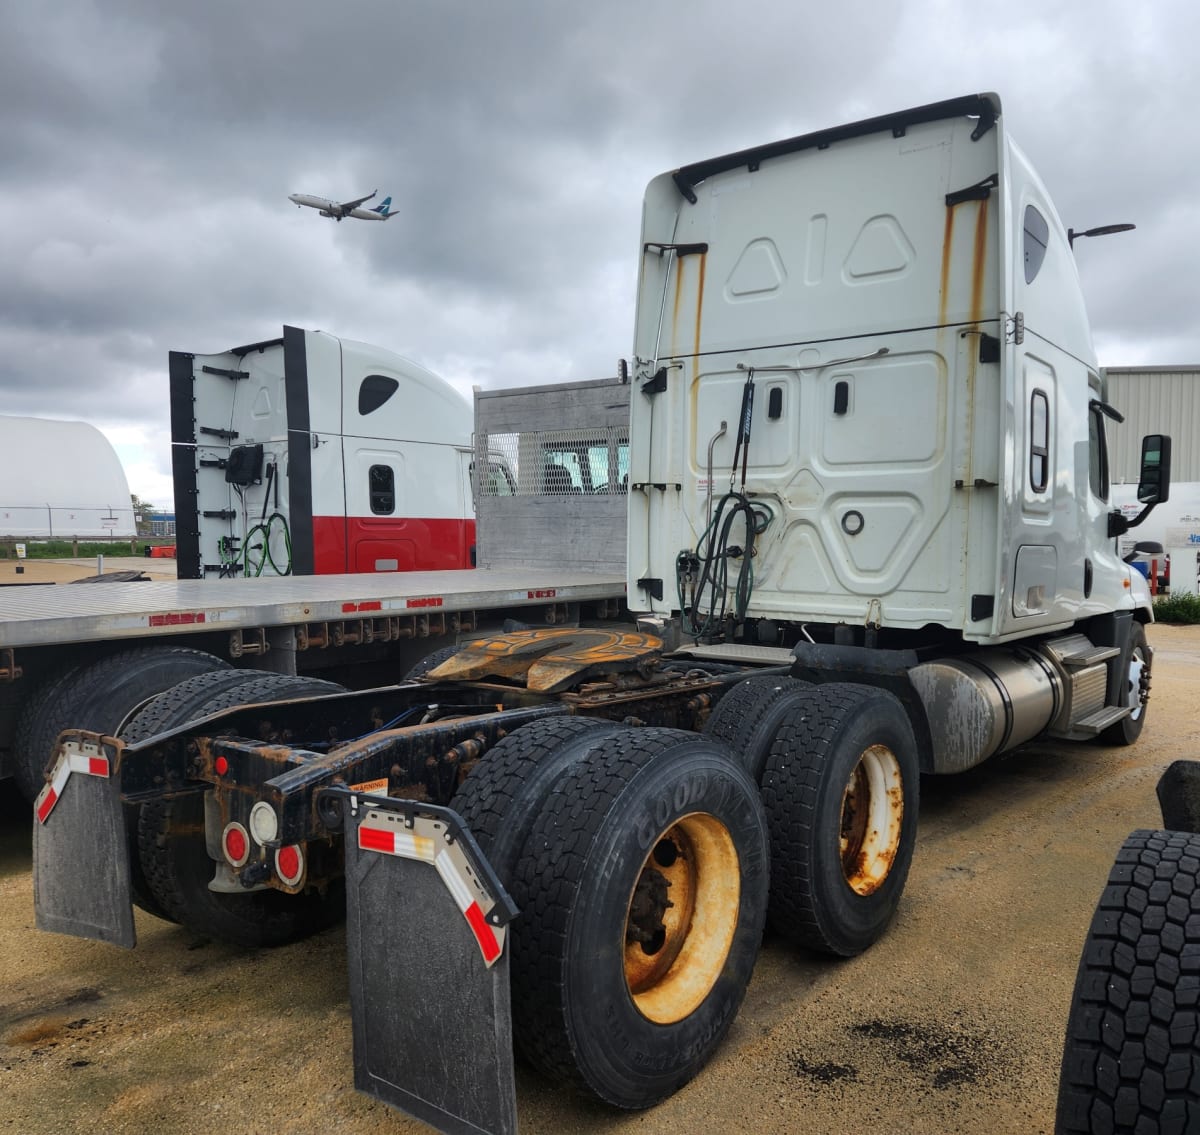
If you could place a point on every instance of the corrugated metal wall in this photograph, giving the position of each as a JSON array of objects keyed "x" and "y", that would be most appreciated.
[{"x": 1155, "y": 400}]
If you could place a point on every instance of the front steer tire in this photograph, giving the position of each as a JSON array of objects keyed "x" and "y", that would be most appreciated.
[
  {"x": 1131, "y": 1059},
  {"x": 1136, "y": 692},
  {"x": 615, "y": 992}
]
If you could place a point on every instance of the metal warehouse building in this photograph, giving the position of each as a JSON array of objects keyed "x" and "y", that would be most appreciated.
[{"x": 1155, "y": 400}]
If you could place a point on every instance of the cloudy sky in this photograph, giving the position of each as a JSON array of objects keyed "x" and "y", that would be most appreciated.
[{"x": 147, "y": 149}]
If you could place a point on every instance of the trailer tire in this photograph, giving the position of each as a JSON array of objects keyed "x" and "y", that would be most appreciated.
[
  {"x": 503, "y": 794},
  {"x": 651, "y": 812},
  {"x": 431, "y": 660},
  {"x": 841, "y": 793},
  {"x": 1131, "y": 1059},
  {"x": 748, "y": 716},
  {"x": 174, "y": 857},
  {"x": 1137, "y": 691}
]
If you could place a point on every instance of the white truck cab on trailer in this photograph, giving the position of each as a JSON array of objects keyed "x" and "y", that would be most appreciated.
[{"x": 316, "y": 455}]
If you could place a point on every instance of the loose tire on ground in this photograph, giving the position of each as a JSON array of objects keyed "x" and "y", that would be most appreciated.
[
  {"x": 748, "y": 716},
  {"x": 503, "y": 795},
  {"x": 1131, "y": 1059},
  {"x": 1137, "y": 692},
  {"x": 841, "y": 791},
  {"x": 171, "y": 844},
  {"x": 614, "y": 991}
]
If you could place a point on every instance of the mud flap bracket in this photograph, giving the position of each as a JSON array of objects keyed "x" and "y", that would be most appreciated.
[
  {"x": 429, "y": 982},
  {"x": 81, "y": 879}
]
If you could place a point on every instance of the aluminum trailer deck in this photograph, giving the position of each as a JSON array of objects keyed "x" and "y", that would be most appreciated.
[{"x": 64, "y": 614}]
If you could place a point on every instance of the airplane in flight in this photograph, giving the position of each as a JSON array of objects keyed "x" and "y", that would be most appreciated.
[{"x": 340, "y": 211}]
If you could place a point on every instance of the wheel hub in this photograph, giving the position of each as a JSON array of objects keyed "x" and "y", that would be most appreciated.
[
  {"x": 681, "y": 918},
  {"x": 872, "y": 820}
]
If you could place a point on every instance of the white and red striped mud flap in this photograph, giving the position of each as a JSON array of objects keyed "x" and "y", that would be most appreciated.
[
  {"x": 429, "y": 985},
  {"x": 81, "y": 875},
  {"x": 73, "y": 757},
  {"x": 425, "y": 842}
]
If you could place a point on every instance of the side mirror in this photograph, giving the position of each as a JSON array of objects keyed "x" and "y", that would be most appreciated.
[{"x": 1154, "y": 484}]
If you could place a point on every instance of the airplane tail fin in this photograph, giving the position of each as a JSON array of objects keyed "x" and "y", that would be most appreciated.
[{"x": 384, "y": 208}]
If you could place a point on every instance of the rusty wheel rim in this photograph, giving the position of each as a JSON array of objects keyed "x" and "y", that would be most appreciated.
[
  {"x": 681, "y": 918},
  {"x": 872, "y": 819}
]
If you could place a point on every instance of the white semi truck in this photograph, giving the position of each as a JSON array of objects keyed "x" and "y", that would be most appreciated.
[{"x": 871, "y": 537}]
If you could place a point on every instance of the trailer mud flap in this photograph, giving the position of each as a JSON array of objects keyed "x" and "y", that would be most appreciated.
[
  {"x": 429, "y": 984},
  {"x": 81, "y": 882}
]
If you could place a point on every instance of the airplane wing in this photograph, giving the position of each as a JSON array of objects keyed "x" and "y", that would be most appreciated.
[{"x": 348, "y": 205}]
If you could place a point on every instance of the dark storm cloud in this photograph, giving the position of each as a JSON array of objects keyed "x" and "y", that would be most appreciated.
[{"x": 149, "y": 150}]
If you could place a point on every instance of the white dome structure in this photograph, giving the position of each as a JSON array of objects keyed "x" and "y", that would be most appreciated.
[{"x": 61, "y": 480}]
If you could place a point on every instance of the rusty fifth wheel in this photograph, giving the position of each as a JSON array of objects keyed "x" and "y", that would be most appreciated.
[
  {"x": 840, "y": 790},
  {"x": 643, "y": 890}
]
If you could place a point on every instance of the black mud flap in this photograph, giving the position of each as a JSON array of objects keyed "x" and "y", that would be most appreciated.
[
  {"x": 80, "y": 857},
  {"x": 429, "y": 986}
]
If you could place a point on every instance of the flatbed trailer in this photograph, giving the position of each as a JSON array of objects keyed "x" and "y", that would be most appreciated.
[
  {"x": 340, "y": 609},
  {"x": 92, "y": 656}
]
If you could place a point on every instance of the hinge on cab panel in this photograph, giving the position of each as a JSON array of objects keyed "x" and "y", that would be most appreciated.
[{"x": 980, "y": 191}]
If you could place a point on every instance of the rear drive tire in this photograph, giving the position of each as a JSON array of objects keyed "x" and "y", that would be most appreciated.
[
  {"x": 1131, "y": 1059},
  {"x": 101, "y": 696},
  {"x": 1137, "y": 691},
  {"x": 643, "y": 887},
  {"x": 503, "y": 795},
  {"x": 748, "y": 716},
  {"x": 841, "y": 791},
  {"x": 174, "y": 857}
]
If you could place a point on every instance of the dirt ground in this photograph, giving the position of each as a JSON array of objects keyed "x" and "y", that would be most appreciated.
[
  {"x": 952, "y": 1023},
  {"x": 64, "y": 571}
]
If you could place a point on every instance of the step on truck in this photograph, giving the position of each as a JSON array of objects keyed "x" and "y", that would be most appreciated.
[{"x": 870, "y": 536}]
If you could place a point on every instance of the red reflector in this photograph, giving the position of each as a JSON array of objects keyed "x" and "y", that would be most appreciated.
[
  {"x": 98, "y": 766},
  {"x": 288, "y": 862},
  {"x": 221, "y": 765},
  {"x": 375, "y": 840},
  {"x": 47, "y": 806},
  {"x": 235, "y": 845},
  {"x": 483, "y": 932}
]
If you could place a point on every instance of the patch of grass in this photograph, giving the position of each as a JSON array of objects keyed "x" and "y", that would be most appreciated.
[
  {"x": 1177, "y": 609},
  {"x": 64, "y": 549}
]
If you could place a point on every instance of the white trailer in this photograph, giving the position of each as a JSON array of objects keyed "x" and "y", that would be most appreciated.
[{"x": 871, "y": 536}]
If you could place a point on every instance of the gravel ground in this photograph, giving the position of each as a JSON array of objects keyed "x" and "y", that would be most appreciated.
[{"x": 952, "y": 1023}]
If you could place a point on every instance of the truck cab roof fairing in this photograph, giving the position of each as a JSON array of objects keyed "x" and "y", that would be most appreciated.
[{"x": 984, "y": 106}]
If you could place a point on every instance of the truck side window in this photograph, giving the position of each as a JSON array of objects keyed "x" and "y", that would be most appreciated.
[
  {"x": 1097, "y": 454},
  {"x": 1037, "y": 234},
  {"x": 1039, "y": 441},
  {"x": 374, "y": 391},
  {"x": 382, "y": 484}
]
